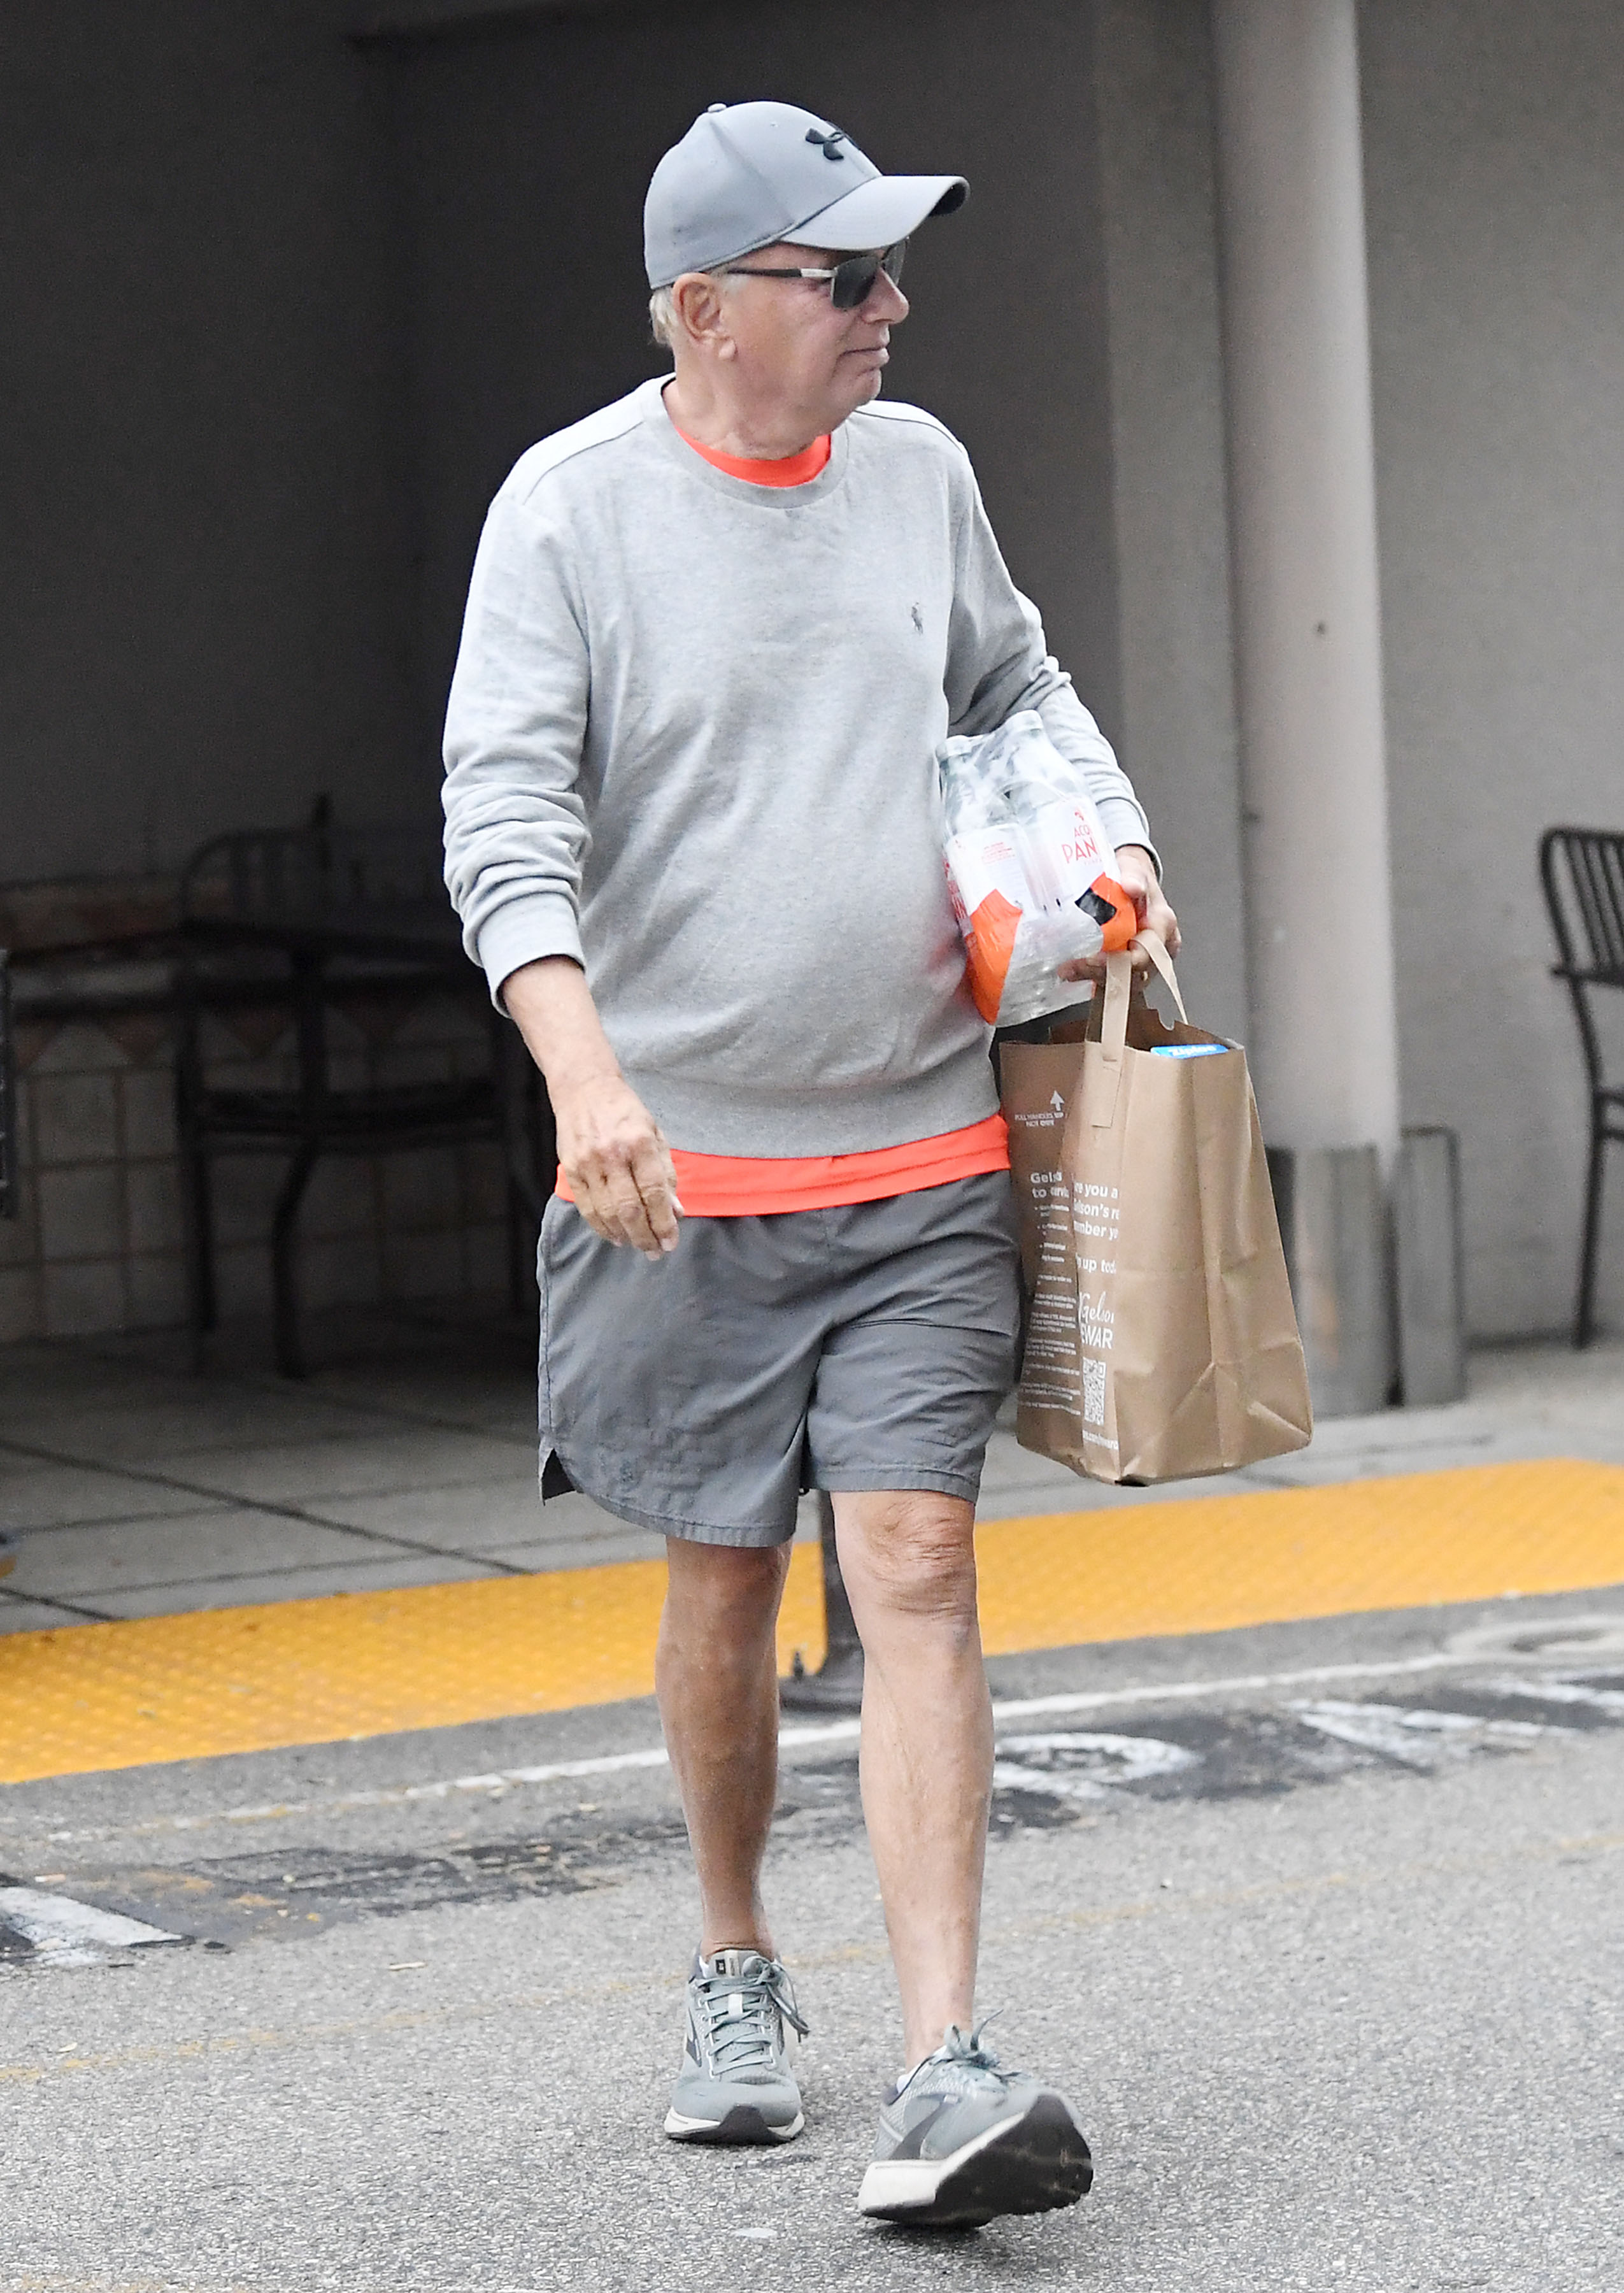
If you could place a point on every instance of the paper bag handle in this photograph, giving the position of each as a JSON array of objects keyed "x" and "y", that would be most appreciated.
[
  {"x": 1103, "y": 1075},
  {"x": 1100, "y": 1096},
  {"x": 1156, "y": 948}
]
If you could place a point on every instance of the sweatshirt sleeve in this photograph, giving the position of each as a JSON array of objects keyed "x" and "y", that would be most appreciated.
[
  {"x": 515, "y": 823},
  {"x": 999, "y": 664}
]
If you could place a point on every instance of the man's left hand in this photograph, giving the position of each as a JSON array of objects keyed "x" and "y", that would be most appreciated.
[{"x": 1136, "y": 874}]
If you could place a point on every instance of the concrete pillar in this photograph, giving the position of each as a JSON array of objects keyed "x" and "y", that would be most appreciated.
[
  {"x": 1158, "y": 201},
  {"x": 1323, "y": 1044}
]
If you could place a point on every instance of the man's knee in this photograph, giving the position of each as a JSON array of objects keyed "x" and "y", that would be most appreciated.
[
  {"x": 911, "y": 1549},
  {"x": 729, "y": 1589}
]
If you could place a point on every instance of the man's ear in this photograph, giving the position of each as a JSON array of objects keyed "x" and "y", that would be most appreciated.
[{"x": 698, "y": 302}]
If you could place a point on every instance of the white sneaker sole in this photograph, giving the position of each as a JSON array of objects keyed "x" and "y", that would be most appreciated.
[
  {"x": 741, "y": 2127},
  {"x": 1027, "y": 2165}
]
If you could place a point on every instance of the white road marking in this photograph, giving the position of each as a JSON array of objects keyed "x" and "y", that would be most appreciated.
[
  {"x": 1587, "y": 1637},
  {"x": 65, "y": 1933},
  {"x": 1078, "y": 1766},
  {"x": 829, "y": 1731},
  {"x": 1182, "y": 1691},
  {"x": 1560, "y": 1691},
  {"x": 1419, "y": 1739}
]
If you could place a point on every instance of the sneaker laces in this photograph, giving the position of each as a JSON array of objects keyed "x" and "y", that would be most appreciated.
[
  {"x": 961, "y": 2062},
  {"x": 738, "y": 2011}
]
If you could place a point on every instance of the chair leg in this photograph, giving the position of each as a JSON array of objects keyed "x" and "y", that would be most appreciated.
[
  {"x": 197, "y": 1235},
  {"x": 1584, "y": 1320},
  {"x": 284, "y": 1260}
]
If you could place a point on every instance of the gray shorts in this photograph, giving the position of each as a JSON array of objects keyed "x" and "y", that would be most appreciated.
[{"x": 865, "y": 1348}]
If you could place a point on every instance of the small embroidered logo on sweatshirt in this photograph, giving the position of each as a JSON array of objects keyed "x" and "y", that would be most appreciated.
[{"x": 918, "y": 619}]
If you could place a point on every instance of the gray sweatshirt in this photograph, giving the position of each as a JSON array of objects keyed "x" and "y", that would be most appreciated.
[{"x": 690, "y": 744}]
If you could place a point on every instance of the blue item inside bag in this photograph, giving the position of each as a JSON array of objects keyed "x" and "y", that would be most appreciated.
[{"x": 1187, "y": 1050}]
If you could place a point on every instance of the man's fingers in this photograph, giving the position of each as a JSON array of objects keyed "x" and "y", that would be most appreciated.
[
  {"x": 631, "y": 1217},
  {"x": 607, "y": 1197},
  {"x": 619, "y": 1167},
  {"x": 633, "y": 1202},
  {"x": 610, "y": 1201},
  {"x": 1159, "y": 917},
  {"x": 595, "y": 1222},
  {"x": 594, "y": 1203},
  {"x": 1093, "y": 967},
  {"x": 655, "y": 1178}
]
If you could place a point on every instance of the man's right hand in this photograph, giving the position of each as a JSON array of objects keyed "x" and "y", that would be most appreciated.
[
  {"x": 618, "y": 1166},
  {"x": 613, "y": 1154}
]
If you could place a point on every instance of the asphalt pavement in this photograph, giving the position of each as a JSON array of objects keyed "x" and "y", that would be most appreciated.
[{"x": 1321, "y": 1924}]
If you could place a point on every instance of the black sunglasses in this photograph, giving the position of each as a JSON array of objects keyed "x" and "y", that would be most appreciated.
[{"x": 850, "y": 283}]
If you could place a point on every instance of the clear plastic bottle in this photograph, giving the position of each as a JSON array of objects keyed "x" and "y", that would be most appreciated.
[{"x": 1029, "y": 865}]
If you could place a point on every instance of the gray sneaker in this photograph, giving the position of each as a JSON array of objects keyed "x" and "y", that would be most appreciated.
[
  {"x": 735, "y": 2084},
  {"x": 961, "y": 2141}
]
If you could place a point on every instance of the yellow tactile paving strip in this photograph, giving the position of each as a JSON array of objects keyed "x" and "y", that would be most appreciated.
[
  {"x": 97, "y": 1697},
  {"x": 1204, "y": 1564},
  {"x": 355, "y": 1664}
]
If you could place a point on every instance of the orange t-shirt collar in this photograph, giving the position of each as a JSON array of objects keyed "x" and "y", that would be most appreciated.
[{"x": 794, "y": 470}]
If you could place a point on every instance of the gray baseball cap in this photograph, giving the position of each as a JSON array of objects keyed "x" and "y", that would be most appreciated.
[{"x": 748, "y": 174}]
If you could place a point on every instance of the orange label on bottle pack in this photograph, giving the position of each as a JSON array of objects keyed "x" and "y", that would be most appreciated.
[{"x": 990, "y": 942}]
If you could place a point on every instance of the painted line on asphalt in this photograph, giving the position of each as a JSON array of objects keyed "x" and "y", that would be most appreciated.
[
  {"x": 497, "y": 1780},
  {"x": 68, "y": 1933}
]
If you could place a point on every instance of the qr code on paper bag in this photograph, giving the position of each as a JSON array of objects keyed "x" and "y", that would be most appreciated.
[{"x": 1094, "y": 1392}]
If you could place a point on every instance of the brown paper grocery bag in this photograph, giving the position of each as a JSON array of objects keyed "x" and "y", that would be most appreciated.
[{"x": 1161, "y": 1337}]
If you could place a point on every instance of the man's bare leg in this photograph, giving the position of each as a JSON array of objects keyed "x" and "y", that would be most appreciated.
[
  {"x": 909, "y": 1562},
  {"x": 716, "y": 1676}
]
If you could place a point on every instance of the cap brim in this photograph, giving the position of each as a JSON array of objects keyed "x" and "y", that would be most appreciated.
[{"x": 878, "y": 213}]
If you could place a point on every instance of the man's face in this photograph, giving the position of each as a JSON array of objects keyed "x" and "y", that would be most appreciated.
[{"x": 793, "y": 347}]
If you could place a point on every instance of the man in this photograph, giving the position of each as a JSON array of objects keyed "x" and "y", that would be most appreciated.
[{"x": 714, "y": 634}]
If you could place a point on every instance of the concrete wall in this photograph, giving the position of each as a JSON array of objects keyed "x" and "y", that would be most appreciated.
[
  {"x": 1494, "y": 136},
  {"x": 200, "y": 474},
  {"x": 1154, "y": 110},
  {"x": 526, "y": 154}
]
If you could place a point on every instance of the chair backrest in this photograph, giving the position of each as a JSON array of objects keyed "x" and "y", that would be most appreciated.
[
  {"x": 1582, "y": 869},
  {"x": 309, "y": 874}
]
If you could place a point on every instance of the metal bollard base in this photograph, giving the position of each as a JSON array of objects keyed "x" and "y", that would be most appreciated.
[
  {"x": 1430, "y": 1285},
  {"x": 837, "y": 1684},
  {"x": 1333, "y": 1221}
]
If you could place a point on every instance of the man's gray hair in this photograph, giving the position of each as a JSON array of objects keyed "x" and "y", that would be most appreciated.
[{"x": 662, "y": 308}]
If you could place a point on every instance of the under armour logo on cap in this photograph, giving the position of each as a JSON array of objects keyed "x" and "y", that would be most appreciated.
[{"x": 826, "y": 143}]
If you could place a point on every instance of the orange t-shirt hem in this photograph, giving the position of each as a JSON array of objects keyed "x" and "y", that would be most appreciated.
[{"x": 748, "y": 1185}]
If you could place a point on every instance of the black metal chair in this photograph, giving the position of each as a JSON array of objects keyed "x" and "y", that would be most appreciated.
[
  {"x": 1582, "y": 869},
  {"x": 311, "y": 916}
]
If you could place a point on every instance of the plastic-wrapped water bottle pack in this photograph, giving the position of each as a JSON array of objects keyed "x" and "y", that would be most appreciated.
[{"x": 1030, "y": 870}]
